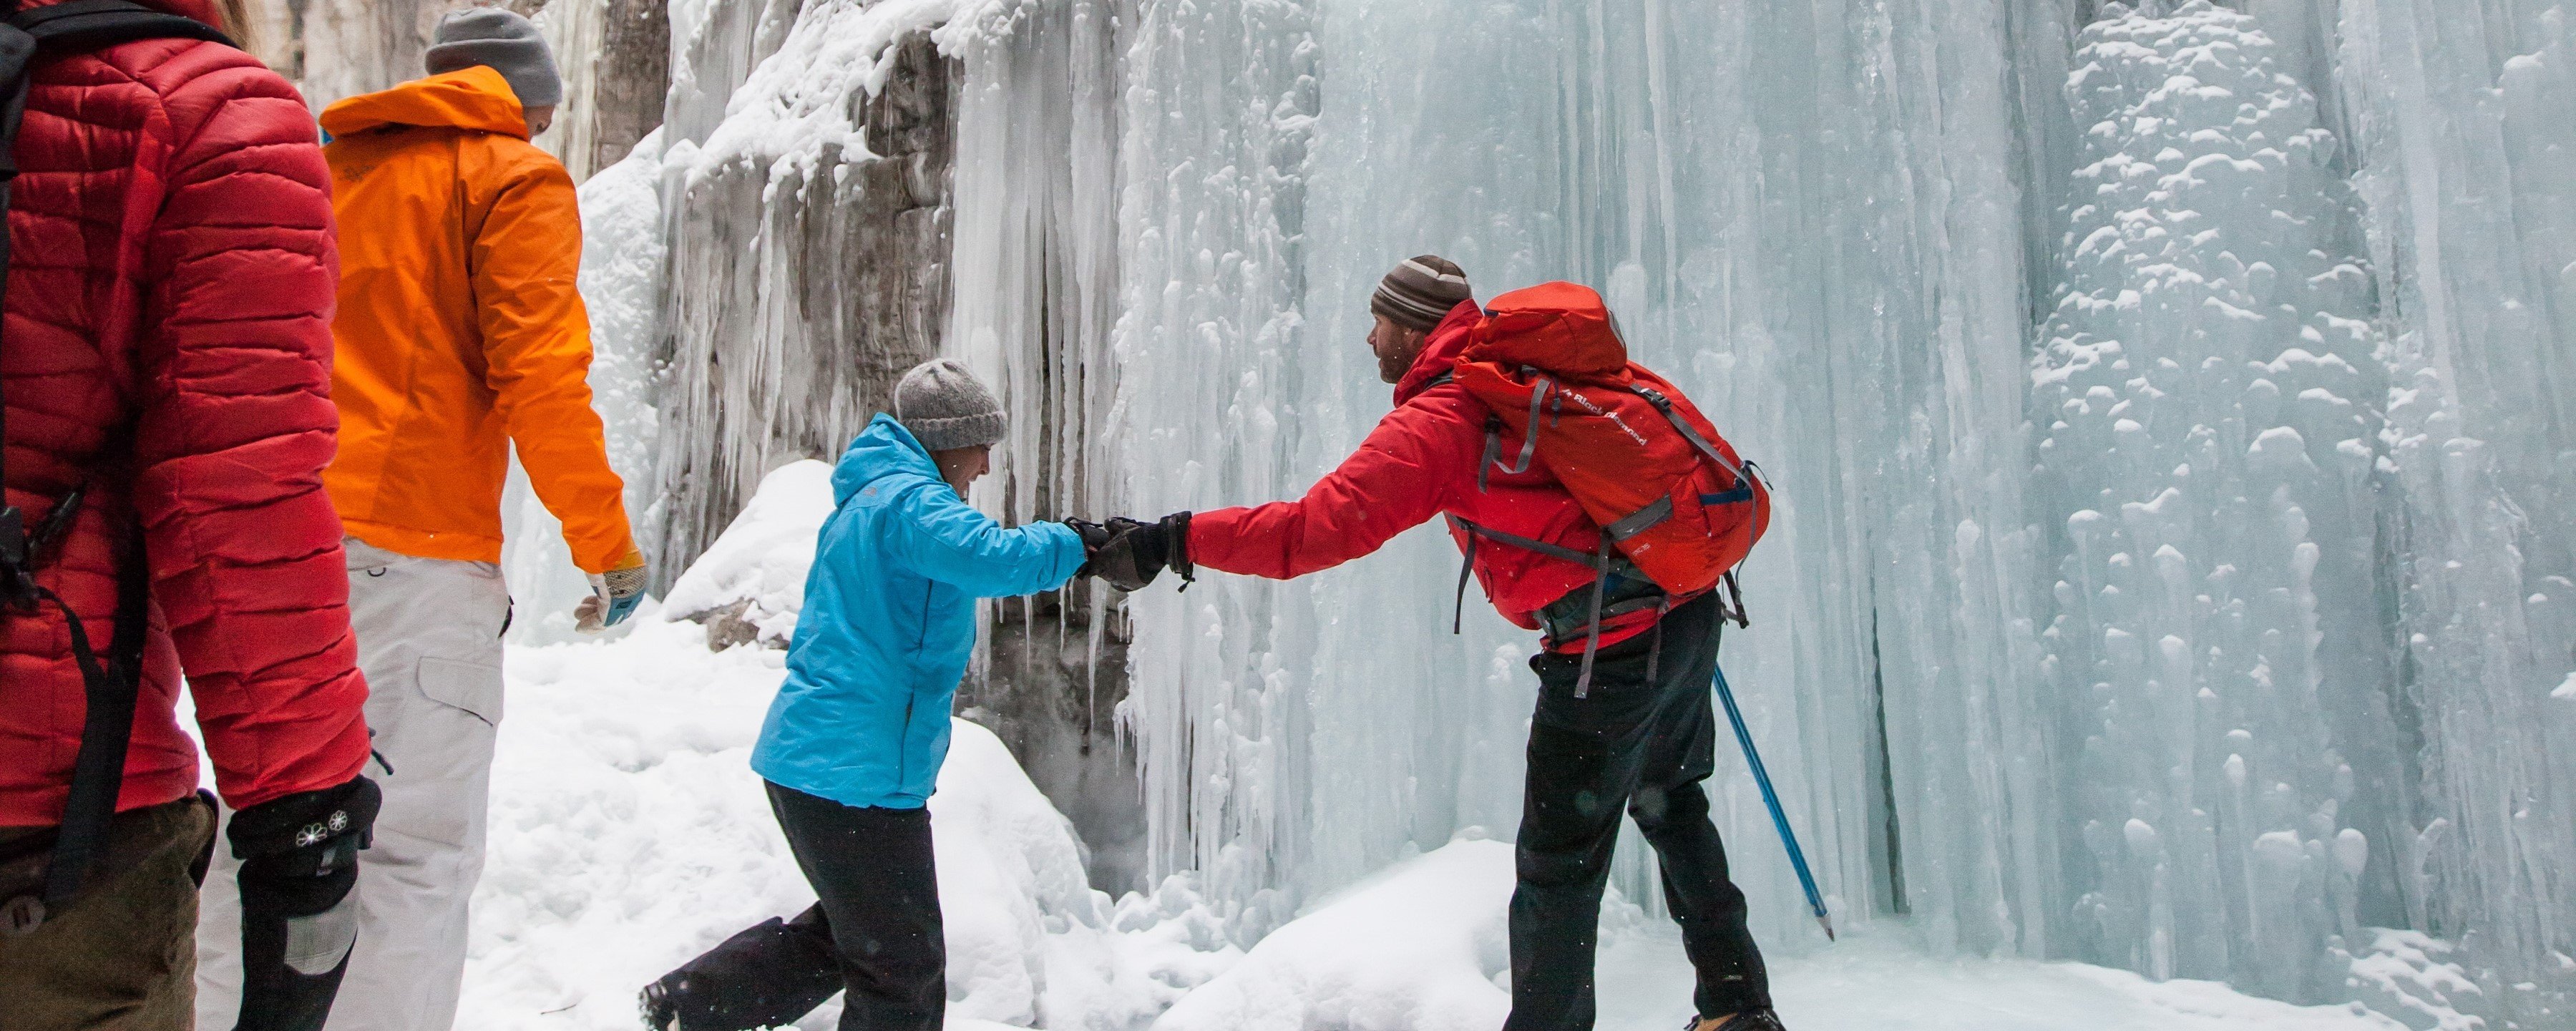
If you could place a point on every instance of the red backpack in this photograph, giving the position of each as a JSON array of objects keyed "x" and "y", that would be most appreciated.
[{"x": 1650, "y": 470}]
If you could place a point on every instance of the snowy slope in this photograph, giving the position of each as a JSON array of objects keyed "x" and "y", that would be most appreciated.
[{"x": 629, "y": 833}]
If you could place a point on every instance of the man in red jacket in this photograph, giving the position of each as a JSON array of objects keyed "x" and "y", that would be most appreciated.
[
  {"x": 165, "y": 368},
  {"x": 1642, "y": 736}
]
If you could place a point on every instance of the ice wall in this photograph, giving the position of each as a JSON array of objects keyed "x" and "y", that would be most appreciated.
[
  {"x": 2208, "y": 390},
  {"x": 2120, "y": 404},
  {"x": 1826, "y": 251},
  {"x": 2169, "y": 404},
  {"x": 2465, "y": 119}
]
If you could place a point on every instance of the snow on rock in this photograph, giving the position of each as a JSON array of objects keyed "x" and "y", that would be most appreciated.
[
  {"x": 1416, "y": 948},
  {"x": 797, "y": 107},
  {"x": 808, "y": 232},
  {"x": 1029, "y": 942},
  {"x": 750, "y": 584},
  {"x": 2417, "y": 979}
]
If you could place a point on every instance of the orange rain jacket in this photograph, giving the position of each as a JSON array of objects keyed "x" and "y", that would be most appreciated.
[{"x": 460, "y": 330}]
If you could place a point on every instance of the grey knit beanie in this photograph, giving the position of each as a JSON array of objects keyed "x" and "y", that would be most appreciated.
[
  {"x": 504, "y": 42},
  {"x": 1420, "y": 292},
  {"x": 945, "y": 407}
]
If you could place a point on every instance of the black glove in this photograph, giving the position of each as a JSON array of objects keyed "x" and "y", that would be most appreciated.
[
  {"x": 1137, "y": 552},
  {"x": 1094, "y": 537},
  {"x": 299, "y": 864}
]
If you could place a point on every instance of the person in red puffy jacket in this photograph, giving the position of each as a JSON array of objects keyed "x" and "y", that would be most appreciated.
[
  {"x": 166, "y": 359},
  {"x": 1643, "y": 736}
]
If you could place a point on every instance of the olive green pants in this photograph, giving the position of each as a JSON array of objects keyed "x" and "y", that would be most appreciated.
[{"x": 123, "y": 955}]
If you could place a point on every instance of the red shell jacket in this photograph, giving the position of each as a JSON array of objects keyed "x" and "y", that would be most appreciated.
[
  {"x": 1421, "y": 462},
  {"x": 168, "y": 341}
]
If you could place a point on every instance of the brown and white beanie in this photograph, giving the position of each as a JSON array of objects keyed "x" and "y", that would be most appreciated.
[{"x": 1420, "y": 292}]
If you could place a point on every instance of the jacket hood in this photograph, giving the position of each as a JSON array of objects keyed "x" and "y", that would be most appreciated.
[
  {"x": 1562, "y": 327},
  {"x": 884, "y": 449},
  {"x": 474, "y": 98},
  {"x": 1440, "y": 353}
]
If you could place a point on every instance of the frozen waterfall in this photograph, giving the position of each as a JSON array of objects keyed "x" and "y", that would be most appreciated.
[{"x": 2172, "y": 407}]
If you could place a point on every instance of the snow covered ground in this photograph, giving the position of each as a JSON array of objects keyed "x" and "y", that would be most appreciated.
[{"x": 628, "y": 834}]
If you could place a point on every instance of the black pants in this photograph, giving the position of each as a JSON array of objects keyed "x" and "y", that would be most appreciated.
[
  {"x": 875, "y": 931},
  {"x": 1642, "y": 743}
]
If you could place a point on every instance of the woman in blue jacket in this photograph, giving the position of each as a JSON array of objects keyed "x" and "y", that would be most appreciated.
[{"x": 853, "y": 743}]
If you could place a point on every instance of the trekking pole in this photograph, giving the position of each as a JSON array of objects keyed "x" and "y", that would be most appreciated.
[{"x": 1815, "y": 899}]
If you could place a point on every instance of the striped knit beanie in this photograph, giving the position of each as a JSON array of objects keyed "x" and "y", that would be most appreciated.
[{"x": 1420, "y": 292}]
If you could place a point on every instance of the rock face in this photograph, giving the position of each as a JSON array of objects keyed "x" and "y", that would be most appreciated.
[
  {"x": 1051, "y": 690},
  {"x": 803, "y": 289},
  {"x": 360, "y": 46},
  {"x": 615, "y": 57},
  {"x": 633, "y": 77}
]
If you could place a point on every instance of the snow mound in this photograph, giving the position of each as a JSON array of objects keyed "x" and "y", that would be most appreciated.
[
  {"x": 1419, "y": 947},
  {"x": 629, "y": 835},
  {"x": 754, "y": 573}
]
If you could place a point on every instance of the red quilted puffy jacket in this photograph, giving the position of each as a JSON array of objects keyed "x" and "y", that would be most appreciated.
[
  {"x": 168, "y": 340},
  {"x": 1420, "y": 462}
]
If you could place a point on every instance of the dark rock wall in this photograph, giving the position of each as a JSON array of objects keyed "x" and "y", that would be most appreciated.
[{"x": 634, "y": 76}]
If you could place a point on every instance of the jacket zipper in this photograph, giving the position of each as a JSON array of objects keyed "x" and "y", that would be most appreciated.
[
  {"x": 924, "y": 642},
  {"x": 903, "y": 745}
]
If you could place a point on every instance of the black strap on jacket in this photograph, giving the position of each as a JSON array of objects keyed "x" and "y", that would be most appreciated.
[{"x": 110, "y": 682}]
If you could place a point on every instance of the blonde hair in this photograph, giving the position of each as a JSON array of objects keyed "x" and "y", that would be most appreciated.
[{"x": 233, "y": 18}]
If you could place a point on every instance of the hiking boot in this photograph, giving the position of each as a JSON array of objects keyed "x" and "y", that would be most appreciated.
[
  {"x": 1749, "y": 1020},
  {"x": 659, "y": 1014}
]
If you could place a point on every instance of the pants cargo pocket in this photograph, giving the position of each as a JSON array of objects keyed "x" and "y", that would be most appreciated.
[
  {"x": 437, "y": 734},
  {"x": 473, "y": 687}
]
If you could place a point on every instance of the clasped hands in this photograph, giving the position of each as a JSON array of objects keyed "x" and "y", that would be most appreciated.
[{"x": 1128, "y": 553}]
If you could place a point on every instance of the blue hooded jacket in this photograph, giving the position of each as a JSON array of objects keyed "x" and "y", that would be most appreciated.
[{"x": 889, "y": 623}]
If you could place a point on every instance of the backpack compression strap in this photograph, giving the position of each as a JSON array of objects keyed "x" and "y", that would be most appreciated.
[
  {"x": 1599, "y": 560},
  {"x": 110, "y": 683}
]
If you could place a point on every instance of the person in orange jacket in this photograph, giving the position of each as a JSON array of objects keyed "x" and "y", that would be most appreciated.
[{"x": 460, "y": 334}]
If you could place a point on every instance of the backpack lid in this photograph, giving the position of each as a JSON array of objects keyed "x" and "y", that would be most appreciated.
[{"x": 1563, "y": 328}]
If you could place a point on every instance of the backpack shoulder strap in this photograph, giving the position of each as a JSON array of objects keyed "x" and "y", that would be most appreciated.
[{"x": 79, "y": 25}]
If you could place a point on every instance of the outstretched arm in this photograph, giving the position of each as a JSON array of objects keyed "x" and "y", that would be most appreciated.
[
  {"x": 1398, "y": 478},
  {"x": 943, "y": 538}
]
